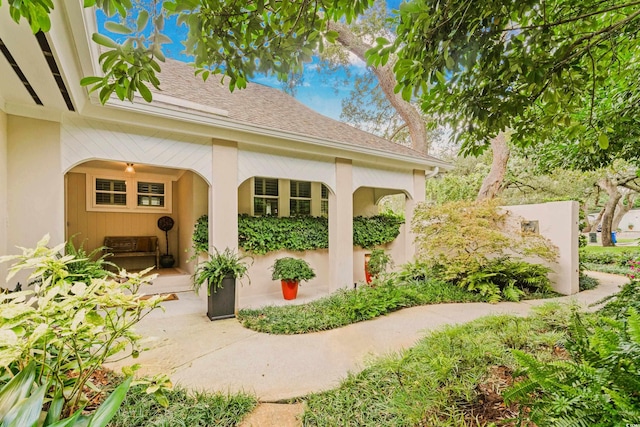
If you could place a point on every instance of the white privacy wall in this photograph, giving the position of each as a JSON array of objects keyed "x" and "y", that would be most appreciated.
[{"x": 558, "y": 222}]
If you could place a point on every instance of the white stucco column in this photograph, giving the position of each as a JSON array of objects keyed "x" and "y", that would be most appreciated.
[
  {"x": 3, "y": 194},
  {"x": 223, "y": 196},
  {"x": 341, "y": 228},
  {"x": 35, "y": 195},
  {"x": 418, "y": 193}
]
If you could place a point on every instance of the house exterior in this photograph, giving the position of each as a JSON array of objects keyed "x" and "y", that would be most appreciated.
[{"x": 196, "y": 149}]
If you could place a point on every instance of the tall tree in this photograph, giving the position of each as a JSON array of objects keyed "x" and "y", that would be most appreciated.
[
  {"x": 413, "y": 119},
  {"x": 488, "y": 66}
]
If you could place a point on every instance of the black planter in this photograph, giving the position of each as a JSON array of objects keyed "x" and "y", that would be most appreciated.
[
  {"x": 167, "y": 261},
  {"x": 221, "y": 304}
]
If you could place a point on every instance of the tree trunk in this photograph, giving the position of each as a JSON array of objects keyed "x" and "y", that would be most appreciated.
[
  {"x": 611, "y": 187},
  {"x": 624, "y": 205},
  {"x": 590, "y": 225},
  {"x": 492, "y": 184},
  {"x": 387, "y": 79}
]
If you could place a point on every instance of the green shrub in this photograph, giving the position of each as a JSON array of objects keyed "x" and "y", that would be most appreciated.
[
  {"x": 377, "y": 230},
  {"x": 597, "y": 386},
  {"x": 200, "y": 237},
  {"x": 503, "y": 278},
  {"x": 378, "y": 262},
  {"x": 459, "y": 237},
  {"x": 628, "y": 297},
  {"x": 292, "y": 269},
  {"x": 617, "y": 257},
  {"x": 68, "y": 326}
]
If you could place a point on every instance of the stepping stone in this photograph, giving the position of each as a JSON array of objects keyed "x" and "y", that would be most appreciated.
[{"x": 275, "y": 414}]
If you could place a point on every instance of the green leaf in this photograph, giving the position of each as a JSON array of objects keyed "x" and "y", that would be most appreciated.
[
  {"x": 103, "y": 40},
  {"x": 110, "y": 406},
  {"x": 26, "y": 412},
  {"x": 118, "y": 28},
  {"x": 145, "y": 92},
  {"x": 90, "y": 80},
  {"x": 603, "y": 141},
  {"x": 17, "y": 388},
  {"x": 143, "y": 19}
]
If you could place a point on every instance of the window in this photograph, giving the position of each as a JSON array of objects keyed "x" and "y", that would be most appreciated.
[
  {"x": 150, "y": 194},
  {"x": 324, "y": 201},
  {"x": 300, "y": 202},
  {"x": 265, "y": 200},
  {"x": 113, "y": 194}
]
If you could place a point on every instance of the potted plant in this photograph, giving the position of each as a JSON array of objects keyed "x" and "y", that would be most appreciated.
[
  {"x": 220, "y": 272},
  {"x": 376, "y": 263},
  {"x": 165, "y": 224},
  {"x": 290, "y": 271}
]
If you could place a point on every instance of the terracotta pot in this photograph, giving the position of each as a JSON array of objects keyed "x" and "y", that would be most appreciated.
[
  {"x": 367, "y": 276},
  {"x": 289, "y": 289}
]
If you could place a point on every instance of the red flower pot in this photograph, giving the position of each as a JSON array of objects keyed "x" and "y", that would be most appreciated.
[
  {"x": 367, "y": 276},
  {"x": 289, "y": 289}
]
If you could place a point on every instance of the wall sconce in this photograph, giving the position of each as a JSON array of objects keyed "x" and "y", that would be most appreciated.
[{"x": 129, "y": 170}]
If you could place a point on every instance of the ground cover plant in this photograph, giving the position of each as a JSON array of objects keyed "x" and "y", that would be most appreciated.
[
  {"x": 450, "y": 378},
  {"x": 597, "y": 381},
  {"x": 350, "y": 306},
  {"x": 414, "y": 285},
  {"x": 184, "y": 409},
  {"x": 609, "y": 259}
]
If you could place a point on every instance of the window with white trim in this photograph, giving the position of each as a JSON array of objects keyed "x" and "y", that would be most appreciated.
[
  {"x": 265, "y": 196},
  {"x": 145, "y": 194},
  {"x": 151, "y": 194},
  {"x": 324, "y": 201},
  {"x": 110, "y": 192},
  {"x": 300, "y": 201}
]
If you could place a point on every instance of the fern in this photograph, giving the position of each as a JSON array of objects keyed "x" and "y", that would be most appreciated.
[{"x": 598, "y": 386}]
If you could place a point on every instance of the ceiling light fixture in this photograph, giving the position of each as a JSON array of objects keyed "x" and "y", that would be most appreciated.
[{"x": 129, "y": 170}]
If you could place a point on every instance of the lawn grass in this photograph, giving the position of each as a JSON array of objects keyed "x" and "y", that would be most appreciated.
[
  {"x": 591, "y": 249},
  {"x": 350, "y": 306},
  {"x": 436, "y": 383},
  {"x": 607, "y": 268},
  {"x": 186, "y": 409}
]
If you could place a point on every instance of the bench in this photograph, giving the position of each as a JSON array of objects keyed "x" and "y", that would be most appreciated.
[{"x": 133, "y": 246}]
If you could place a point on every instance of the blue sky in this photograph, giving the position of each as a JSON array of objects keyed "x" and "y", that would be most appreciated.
[{"x": 318, "y": 91}]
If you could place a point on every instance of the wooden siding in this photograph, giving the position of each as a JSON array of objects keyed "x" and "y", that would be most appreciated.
[{"x": 92, "y": 227}]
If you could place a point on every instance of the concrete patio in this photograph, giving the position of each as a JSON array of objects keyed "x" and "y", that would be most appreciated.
[{"x": 224, "y": 356}]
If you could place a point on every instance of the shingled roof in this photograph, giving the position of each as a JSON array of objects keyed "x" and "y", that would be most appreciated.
[{"x": 270, "y": 108}]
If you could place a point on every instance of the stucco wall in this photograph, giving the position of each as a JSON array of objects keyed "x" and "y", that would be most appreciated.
[
  {"x": 192, "y": 204},
  {"x": 558, "y": 221},
  {"x": 36, "y": 194},
  {"x": 260, "y": 273},
  {"x": 3, "y": 194}
]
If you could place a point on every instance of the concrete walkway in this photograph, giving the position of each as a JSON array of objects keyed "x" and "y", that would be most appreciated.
[{"x": 224, "y": 356}]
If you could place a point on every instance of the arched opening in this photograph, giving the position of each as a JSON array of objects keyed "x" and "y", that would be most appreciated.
[
  {"x": 107, "y": 199},
  {"x": 371, "y": 201}
]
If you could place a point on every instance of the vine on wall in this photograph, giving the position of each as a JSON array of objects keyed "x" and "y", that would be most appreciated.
[{"x": 264, "y": 234}]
